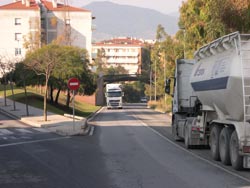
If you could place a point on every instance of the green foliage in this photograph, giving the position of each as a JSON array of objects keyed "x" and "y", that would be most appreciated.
[
  {"x": 160, "y": 33},
  {"x": 115, "y": 70},
  {"x": 206, "y": 20},
  {"x": 133, "y": 92},
  {"x": 22, "y": 74},
  {"x": 36, "y": 100},
  {"x": 201, "y": 21},
  {"x": 163, "y": 56},
  {"x": 59, "y": 63}
]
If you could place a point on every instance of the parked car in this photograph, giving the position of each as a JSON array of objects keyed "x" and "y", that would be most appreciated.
[{"x": 144, "y": 99}]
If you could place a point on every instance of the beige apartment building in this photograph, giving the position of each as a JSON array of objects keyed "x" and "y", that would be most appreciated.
[
  {"x": 31, "y": 23},
  {"x": 123, "y": 51}
]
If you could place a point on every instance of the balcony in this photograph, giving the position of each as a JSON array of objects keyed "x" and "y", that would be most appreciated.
[
  {"x": 123, "y": 60},
  {"x": 122, "y": 54}
]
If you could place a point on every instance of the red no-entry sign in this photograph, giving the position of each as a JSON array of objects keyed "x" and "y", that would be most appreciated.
[{"x": 73, "y": 84}]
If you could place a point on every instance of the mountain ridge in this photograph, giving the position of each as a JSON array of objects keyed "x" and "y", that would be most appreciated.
[{"x": 115, "y": 20}]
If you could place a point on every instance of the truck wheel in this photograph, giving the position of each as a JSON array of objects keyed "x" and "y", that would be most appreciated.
[
  {"x": 236, "y": 159},
  {"x": 187, "y": 145},
  {"x": 224, "y": 145},
  {"x": 214, "y": 142}
]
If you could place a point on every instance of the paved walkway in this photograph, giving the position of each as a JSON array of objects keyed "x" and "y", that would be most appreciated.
[{"x": 63, "y": 125}]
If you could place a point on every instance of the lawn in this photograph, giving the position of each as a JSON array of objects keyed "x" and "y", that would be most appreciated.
[{"x": 35, "y": 99}]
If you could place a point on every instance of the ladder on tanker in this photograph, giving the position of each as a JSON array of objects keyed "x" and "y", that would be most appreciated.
[{"x": 245, "y": 64}]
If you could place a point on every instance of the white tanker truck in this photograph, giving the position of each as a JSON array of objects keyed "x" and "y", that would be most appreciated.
[{"x": 211, "y": 99}]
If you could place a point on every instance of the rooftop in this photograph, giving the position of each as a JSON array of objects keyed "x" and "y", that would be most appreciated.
[
  {"x": 62, "y": 7},
  {"x": 20, "y": 6},
  {"x": 126, "y": 41},
  {"x": 34, "y": 5}
]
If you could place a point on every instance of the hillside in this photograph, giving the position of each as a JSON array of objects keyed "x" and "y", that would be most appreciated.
[{"x": 114, "y": 20}]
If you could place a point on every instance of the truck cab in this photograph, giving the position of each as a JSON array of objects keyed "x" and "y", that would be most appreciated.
[{"x": 114, "y": 96}]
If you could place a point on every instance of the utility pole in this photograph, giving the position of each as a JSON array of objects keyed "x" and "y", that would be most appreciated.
[
  {"x": 164, "y": 61},
  {"x": 150, "y": 87},
  {"x": 155, "y": 80}
]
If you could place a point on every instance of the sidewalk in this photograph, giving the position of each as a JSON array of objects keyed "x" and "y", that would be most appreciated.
[{"x": 63, "y": 125}]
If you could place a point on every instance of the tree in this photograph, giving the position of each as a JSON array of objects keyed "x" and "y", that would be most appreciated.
[
  {"x": 32, "y": 40},
  {"x": 206, "y": 20},
  {"x": 100, "y": 62},
  {"x": 115, "y": 70},
  {"x": 132, "y": 92},
  {"x": 235, "y": 15},
  {"x": 160, "y": 33},
  {"x": 44, "y": 61},
  {"x": 23, "y": 76},
  {"x": 74, "y": 63}
]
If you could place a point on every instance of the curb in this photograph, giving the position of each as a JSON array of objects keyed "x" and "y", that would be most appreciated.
[
  {"x": 89, "y": 118},
  {"x": 9, "y": 114},
  {"x": 83, "y": 129}
]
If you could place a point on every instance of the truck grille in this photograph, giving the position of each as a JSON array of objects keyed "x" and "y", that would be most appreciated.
[{"x": 114, "y": 102}]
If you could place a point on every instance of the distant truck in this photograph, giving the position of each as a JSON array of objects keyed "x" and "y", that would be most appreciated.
[
  {"x": 114, "y": 96},
  {"x": 211, "y": 99}
]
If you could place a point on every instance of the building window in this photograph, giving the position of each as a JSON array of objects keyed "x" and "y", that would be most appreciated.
[
  {"x": 17, "y": 51},
  {"x": 18, "y": 36},
  {"x": 52, "y": 23},
  {"x": 17, "y": 21}
]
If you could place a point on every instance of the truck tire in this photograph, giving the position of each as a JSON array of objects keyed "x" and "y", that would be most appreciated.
[
  {"x": 224, "y": 145},
  {"x": 236, "y": 159},
  {"x": 214, "y": 142}
]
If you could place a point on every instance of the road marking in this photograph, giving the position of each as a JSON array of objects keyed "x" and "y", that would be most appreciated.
[
  {"x": 34, "y": 141},
  {"x": 41, "y": 130},
  {"x": 24, "y": 131},
  {"x": 91, "y": 131},
  {"x": 193, "y": 154},
  {"x": 92, "y": 128},
  {"x": 5, "y": 131}
]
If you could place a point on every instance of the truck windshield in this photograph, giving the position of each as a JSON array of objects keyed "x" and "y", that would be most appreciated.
[{"x": 114, "y": 94}]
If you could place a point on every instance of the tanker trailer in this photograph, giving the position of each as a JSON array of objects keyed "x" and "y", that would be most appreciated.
[{"x": 214, "y": 109}]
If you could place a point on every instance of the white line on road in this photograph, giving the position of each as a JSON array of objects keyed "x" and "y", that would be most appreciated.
[
  {"x": 91, "y": 131},
  {"x": 34, "y": 141},
  {"x": 5, "y": 131},
  {"x": 42, "y": 130},
  {"x": 193, "y": 154},
  {"x": 23, "y": 130}
]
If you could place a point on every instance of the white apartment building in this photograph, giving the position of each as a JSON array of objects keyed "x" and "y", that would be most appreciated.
[
  {"x": 123, "y": 51},
  {"x": 29, "y": 20}
]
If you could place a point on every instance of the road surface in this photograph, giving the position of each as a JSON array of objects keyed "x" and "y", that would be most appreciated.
[
  {"x": 139, "y": 152},
  {"x": 129, "y": 147}
]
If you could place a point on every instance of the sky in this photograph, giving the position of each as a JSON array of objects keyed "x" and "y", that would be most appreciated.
[{"x": 164, "y": 6}]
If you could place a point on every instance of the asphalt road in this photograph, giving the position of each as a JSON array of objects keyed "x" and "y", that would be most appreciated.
[
  {"x": 40, "y": 159},
  {"x": 129, "y": 148},
  {"x": 140, "y": 152}
]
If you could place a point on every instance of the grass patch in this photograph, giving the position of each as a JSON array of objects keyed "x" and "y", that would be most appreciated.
[
  {"x": 161, "y": 105},
  {"x": 36, "y": 100}
]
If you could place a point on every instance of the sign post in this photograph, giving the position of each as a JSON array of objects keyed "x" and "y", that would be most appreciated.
[{"x": 73, "y": 84}]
